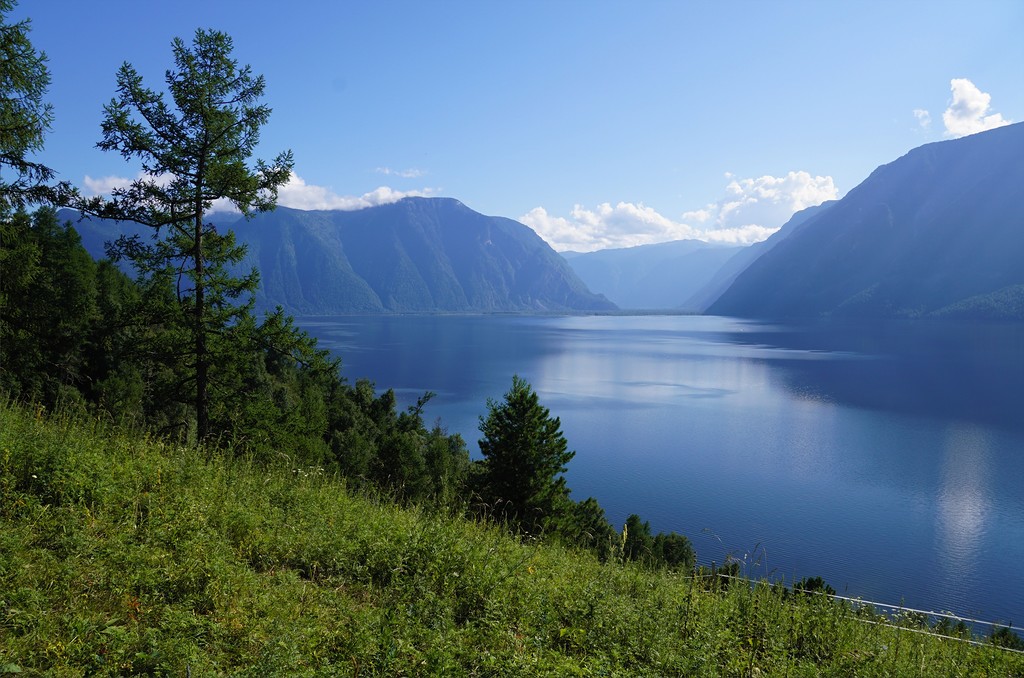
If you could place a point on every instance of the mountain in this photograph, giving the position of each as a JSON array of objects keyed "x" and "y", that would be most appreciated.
[
  {"x": 938, "y": 232},
  {"x": 736, "y": 264},
  {"x": 415, "y": 255},
  {"x": 657, "y": 276}
]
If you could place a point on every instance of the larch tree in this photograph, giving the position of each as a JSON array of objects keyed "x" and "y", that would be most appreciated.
[
  {"x": 24, "y": 117},
  {"x": 194, "y": 149}
]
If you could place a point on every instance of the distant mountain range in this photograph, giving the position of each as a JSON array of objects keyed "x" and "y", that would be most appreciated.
[
  {"x": 661, "y": 276},
  {"x": 938, "y": 232},
  {"x": 416, "y": 255},
  {"x": 739, "y": 261}
]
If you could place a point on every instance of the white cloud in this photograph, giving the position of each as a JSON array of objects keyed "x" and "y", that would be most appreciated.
[
  {"x": 924, "y": 118},
  {"x": 105, "y": 185},
  {"x": 411, "y": 173},
  {"x": 968, "y": 112},
  {"x": 300, "y": 195},
  {"x": 751, "y": 211},
  {"x": 295, "y": 193}
]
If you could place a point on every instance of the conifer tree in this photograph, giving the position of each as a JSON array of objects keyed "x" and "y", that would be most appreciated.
[
  {"x": 194, "y": 149},
  {"x": 525, "y": 455},
  {"x": 24, "y": 117}
]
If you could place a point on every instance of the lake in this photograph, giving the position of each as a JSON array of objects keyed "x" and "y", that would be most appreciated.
[{"x": 886, "y": 458}]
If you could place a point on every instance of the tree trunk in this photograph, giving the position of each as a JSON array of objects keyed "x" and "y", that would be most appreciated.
[{"x": 202, "y": 363}]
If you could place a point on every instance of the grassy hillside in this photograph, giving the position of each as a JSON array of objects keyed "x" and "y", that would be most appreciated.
[{"x": 120, "y": 555}]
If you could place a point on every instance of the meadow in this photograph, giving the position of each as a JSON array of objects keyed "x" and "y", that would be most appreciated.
[{"x": 122, "y": 554}]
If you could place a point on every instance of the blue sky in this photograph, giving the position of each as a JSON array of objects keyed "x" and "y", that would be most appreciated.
[{"x": 600, "y": 124}]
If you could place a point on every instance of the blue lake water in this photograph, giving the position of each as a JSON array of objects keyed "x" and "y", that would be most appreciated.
[{"x": 886, "y": 458}]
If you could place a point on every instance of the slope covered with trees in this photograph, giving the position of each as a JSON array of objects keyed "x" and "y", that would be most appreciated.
[
  {"x": 79, "y": 336},
  {"x": 179, "y": 353}
]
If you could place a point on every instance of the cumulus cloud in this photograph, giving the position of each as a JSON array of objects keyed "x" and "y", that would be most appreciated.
[
  {"x": 106, "y": 185},
  {"x": 968, "y": 112},
  {"x": 606, "y": 226},
  {"x": 300, "y": 195},
  {"x": 751, "y": 210},
  {"x": 295, "y": 193}
]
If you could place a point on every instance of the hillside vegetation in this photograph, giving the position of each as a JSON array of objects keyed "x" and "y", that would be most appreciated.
[
  {"x": 214, "y": 498},
  {"x": 121, "y": 555}
]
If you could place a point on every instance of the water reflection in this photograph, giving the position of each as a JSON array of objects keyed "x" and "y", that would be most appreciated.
[
  {"x": 962, "y": 505},
  {"x": 884, "y": 458},
  {"x": 945, "y": 371}
]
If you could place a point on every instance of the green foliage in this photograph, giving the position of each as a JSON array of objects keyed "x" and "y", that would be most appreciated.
[
  {"x": 78, "y": 333},
  {"x": 525, "y": 455},
  {"x": 60, "y": 310},
  {"x": 674, "y": 551},
  {"x": 1004, "y": 636},
  {"x": 376, "y": 446},
  {"x": 813, "y": 585},
  {"x": 585, "y": 526},
  {"x": 24, "y": 118},
  {"x": 193, "y": 151},
  {"x": 124, "y": 556},
  {"x": 637, "y": 541}
]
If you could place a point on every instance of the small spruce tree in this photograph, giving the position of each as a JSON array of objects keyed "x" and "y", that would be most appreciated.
[{"x": 525, "y": 455}]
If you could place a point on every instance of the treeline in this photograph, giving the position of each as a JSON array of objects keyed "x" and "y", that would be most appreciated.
[
  {"x": 177, "y": 350},
  {"x": 81, "y": 336}
]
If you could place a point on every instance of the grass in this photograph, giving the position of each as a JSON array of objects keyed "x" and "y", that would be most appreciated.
[{"x": 121, "y": 555}]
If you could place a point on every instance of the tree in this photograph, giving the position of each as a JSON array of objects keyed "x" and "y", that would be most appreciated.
[
  {"x": 64, "y": 320},
  {"x": 586, "y": 526},
  {"x": 637, "y": 541},
  {"x": 24, "y": 117},
  {"x": 812, "y": 585},
  {"x": 674, "y": 551},
  {"x": 525, "y": 455},
  {"x": 48, "y": 298},
  {"x": 193, "y": 150}
]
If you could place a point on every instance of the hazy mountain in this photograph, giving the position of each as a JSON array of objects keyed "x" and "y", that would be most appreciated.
[
  {"x": 419, "y": 254},
  {"x": 738, "y": 262},
  {"x": 939, "y": 231},
  {"x": 657, "y": 276}
]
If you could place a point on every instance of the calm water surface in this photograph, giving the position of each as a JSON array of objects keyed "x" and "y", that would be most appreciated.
[{"x": 887, "y": 459}]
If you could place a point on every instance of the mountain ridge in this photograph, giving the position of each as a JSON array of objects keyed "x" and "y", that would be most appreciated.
[
  {"x": 921, "y": 236},
  {"x": 414, "y": 255},
  {"x": 650, "y": 277}
]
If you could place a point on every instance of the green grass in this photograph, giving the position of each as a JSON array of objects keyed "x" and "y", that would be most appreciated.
[{"x": 120, "y": 555}]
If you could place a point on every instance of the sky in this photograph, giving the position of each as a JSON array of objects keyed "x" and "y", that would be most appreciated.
[{"x": 598, "y": 124}]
